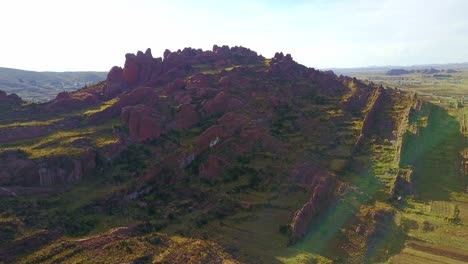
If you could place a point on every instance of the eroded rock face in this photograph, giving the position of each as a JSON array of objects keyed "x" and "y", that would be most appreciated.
[
  {"x": 222, "y": 103},
  {"x": 320, "y": 198},
  {"x": 115, "y": 82},
  {"x": 142, "y": 125},
  {"x": 62, "y": 170},
  {"x": 17, "y": 169},
  {"x": 186, "y": 117},
  {"x": 64, "y": 102},
  {"x": 142, "y": 95}
]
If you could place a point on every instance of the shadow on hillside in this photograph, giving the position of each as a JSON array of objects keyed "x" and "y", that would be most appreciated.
[{"x": 434, "y": 154}]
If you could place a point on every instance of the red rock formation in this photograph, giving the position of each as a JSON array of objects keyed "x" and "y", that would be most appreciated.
[
  {"x": 284, "y": 66},
  {"x": 200, "y": 80},
  {"x": 186, "y": 117},
  {"x": 80, "y": 99},
  {"x": 61, "y": 170},
  {"x": 321, "y": 196},
  {"x": 174, "y": 86},
  {"x": 233, "y": 121},
  {"x": 19, "y": 170},
  {"x": 141, "y": 123},
  {"x": 222, "y": 103},
  {"x": 374, "y": 104},
  {"x": 131, "y": 69},
  {"x": 142, "y": 95},
  {"x": 115, "y": 82}
]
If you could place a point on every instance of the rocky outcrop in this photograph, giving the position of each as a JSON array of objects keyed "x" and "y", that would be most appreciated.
[
  {"x": 62, "y": 170},
  {"x": 18, "y": 170},
  {"x": 374, "y": 106},
  {"x": 115, "y": 82},
  {"x": 142, "y": 125},
  {"x": 186, "y": 117},
  {"x": 359, "y": 96},
  {"x": 142, "y": 95},
  {"x": 320, "y": 198},
  {"x": 220, "y": 104},
  {"x": 67, "y": 102},
  {"x": 142, "y": 69},
  {"x": 9, "y": 98},
  {"x": 285, "y": 66}
]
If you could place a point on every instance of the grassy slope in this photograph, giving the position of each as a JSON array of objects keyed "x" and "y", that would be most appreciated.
[
  {"x": 437, "y": 214},
  {"x": 253, "y": 234}
]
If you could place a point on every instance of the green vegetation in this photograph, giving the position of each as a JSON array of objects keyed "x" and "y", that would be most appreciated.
[
  {"x": 100, "y": 108},
  {"x": 31, "y": 123},
  {"x": 174, "y": 213},
  {"x": 64, "y": 142}
]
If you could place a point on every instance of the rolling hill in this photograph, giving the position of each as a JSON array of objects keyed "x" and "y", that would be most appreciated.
[
  {"x": 43, "y": 86},
  {"x": 225, "y": 156}
]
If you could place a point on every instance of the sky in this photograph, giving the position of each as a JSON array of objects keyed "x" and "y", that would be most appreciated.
[{"x": 66, "y": 35}]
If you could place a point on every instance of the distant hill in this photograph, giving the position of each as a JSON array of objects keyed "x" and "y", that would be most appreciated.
[
  {"x": 450, "y": 67},
  {"x": 43, "y": 86},
  {"x": 398, "y": 72}
]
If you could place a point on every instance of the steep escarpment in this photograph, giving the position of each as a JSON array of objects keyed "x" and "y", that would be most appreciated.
[{"x": 221, "y": 145}]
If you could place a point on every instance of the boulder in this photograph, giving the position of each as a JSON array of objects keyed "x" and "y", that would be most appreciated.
[
  {"x": 131, "y": 69},
  {"x": 115, "y": 82},
  {"x": 174, "y": 86},
  {"x": 220, "y": 104},
  {"x": 141, "y": 123}
]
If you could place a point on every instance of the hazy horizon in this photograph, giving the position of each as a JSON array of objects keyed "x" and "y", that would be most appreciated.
[{"x": 84, "y": 35}]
